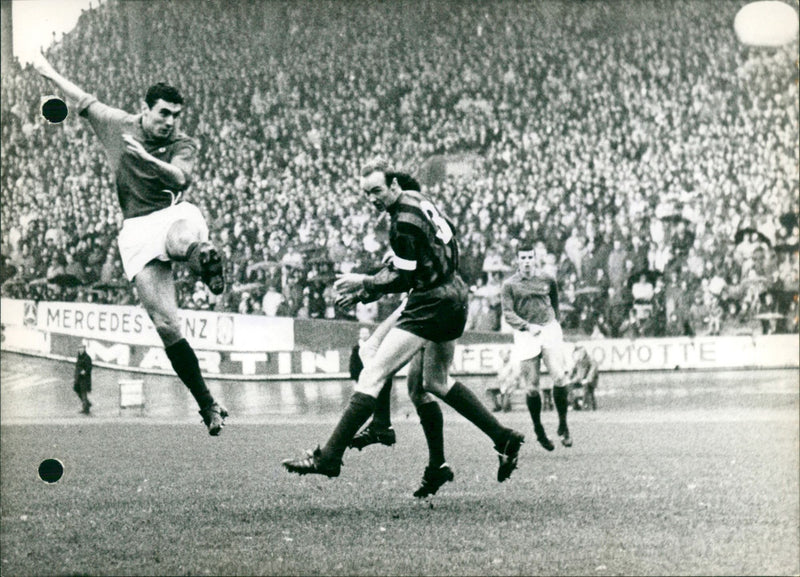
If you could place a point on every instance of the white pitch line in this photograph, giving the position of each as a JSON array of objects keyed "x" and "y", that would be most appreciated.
[
  {"x": 32, "y": 382},
  {"x": 786, "y": 382},
  {"x": 11, "y": 378}
]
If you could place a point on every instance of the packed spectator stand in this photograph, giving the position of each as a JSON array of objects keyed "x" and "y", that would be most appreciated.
[{"x": 650, "y": 157}]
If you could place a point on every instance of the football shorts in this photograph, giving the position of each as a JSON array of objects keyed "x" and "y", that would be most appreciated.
[
  {"x": 144, "y": 238},
  {"x": 438, "y": 314},
  {"x": 529, "y": 346}
]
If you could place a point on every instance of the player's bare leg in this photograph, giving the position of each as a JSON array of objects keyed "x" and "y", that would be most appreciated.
[
  {"x": 156, "y": 290},
  {"x": 590, "y": 400},
  {"x": 531, "y": 374},
  {"x": 187, "y": 242},
  {"x": 506, "y": 392},
  {"x": 379, "y": 429},
  {"x": 495, "y": 395}
]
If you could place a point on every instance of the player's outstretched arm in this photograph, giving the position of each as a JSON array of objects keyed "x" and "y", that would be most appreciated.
[{"x": 72, "y": 91}]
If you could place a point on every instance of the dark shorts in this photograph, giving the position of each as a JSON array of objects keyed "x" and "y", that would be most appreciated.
[{"x": 438, "y": 314}]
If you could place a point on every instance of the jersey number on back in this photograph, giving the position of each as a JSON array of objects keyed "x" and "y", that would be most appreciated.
[{"x": 443, "y": 230}]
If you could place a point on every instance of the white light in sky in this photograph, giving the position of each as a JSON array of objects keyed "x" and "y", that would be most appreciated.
[{"x": 35, "y": 21}]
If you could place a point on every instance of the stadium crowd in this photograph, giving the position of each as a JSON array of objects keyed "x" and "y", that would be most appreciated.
[{"x": 649, "y": 155}]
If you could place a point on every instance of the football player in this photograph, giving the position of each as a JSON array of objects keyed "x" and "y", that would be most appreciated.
[
  {"x": 530, "y": 300},
  {"x": 379, "y": 429},
  {"x": 153, "y": 162},
  {"x": 425, "y": 264}
]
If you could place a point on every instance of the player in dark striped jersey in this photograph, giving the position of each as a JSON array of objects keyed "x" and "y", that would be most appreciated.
[
  {"x": 152, "y": 162},
  {"x": 425, "y": 265},
  {"x": 530, "y": 301}
]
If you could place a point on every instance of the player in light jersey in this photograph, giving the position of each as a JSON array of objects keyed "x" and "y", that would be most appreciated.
[
  {"x": 152, "y": 163},
  {"x": 530, "y": 301}
]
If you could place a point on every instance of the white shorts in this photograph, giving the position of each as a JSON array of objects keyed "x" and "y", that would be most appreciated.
[
  {"x": 144, "y": 238},
  {"x": 529, "y": 346}
]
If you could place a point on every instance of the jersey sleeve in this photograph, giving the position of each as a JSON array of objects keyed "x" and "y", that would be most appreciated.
[
  {"x": 387, "y": 280},
  {"x": 397, "y": 276},
  {"x": 404, "y": 246},
  {"x": 515, "y": 321},
  {"x": 105, "y": 120},
  {"x": 184, "y": 157}
]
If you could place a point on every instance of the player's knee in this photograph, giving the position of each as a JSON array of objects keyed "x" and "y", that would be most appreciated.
[
  {"x": 180, "y": 237},
  {"x": 532, "y": 391},
  {"x": 370, "y": 381},
  {"x": 167, "y": 328},
  {"x": 367, "y": 389},
  {"x": 366, "y": 353},
  {"x": 436, "y": 387},
  {"x": 419, "y": 397}
]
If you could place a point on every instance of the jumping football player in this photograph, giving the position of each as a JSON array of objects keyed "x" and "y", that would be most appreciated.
[{"x": 152, "y": 162}]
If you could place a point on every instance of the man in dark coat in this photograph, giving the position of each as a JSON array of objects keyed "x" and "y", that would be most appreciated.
[{"x": 83, "y": 378}]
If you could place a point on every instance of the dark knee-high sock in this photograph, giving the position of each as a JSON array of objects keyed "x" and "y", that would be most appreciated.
[
  {"x": 463, "y": 400},
  {"x": 534, "y": 402},
  {"x": 356, "y": 414},
  {"x": 561, "y": 400},
  {"x": 430, "y": 416},
  {"x": 382, "y": 417},
  {"x": 187, "y": 367}
]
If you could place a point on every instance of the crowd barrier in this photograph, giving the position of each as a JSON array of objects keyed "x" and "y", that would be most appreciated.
[{"x": 232, "y": 346}]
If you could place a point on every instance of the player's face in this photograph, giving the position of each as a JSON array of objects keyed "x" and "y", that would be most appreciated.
[
  {"x": 374, "y": 186},
  {"x": 162, "y": 119},
  {"x": 526, "y": 260}
]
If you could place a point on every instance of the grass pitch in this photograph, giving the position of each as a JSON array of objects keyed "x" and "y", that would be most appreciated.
[{"x": 641, "y": 492}]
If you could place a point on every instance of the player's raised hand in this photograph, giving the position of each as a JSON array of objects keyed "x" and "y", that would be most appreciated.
[
  {"x": 345, "y": 301},
  {"x": 349, "y": 283},
  {"x": 349, "y": 289},
  {"x": 134, "y": 146},
  {"x": 42, "y": 66}
]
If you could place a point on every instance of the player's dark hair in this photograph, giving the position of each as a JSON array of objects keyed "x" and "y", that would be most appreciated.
[
  {"x": 404, "y": 181},
  {"x": 525, "y": 247},
  {"x": 162, "y": 91}
]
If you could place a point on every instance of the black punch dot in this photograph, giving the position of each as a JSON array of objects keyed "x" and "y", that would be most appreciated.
[
  {"x": 51, "y": 470},
  {"x": 54, "y": 109}
]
